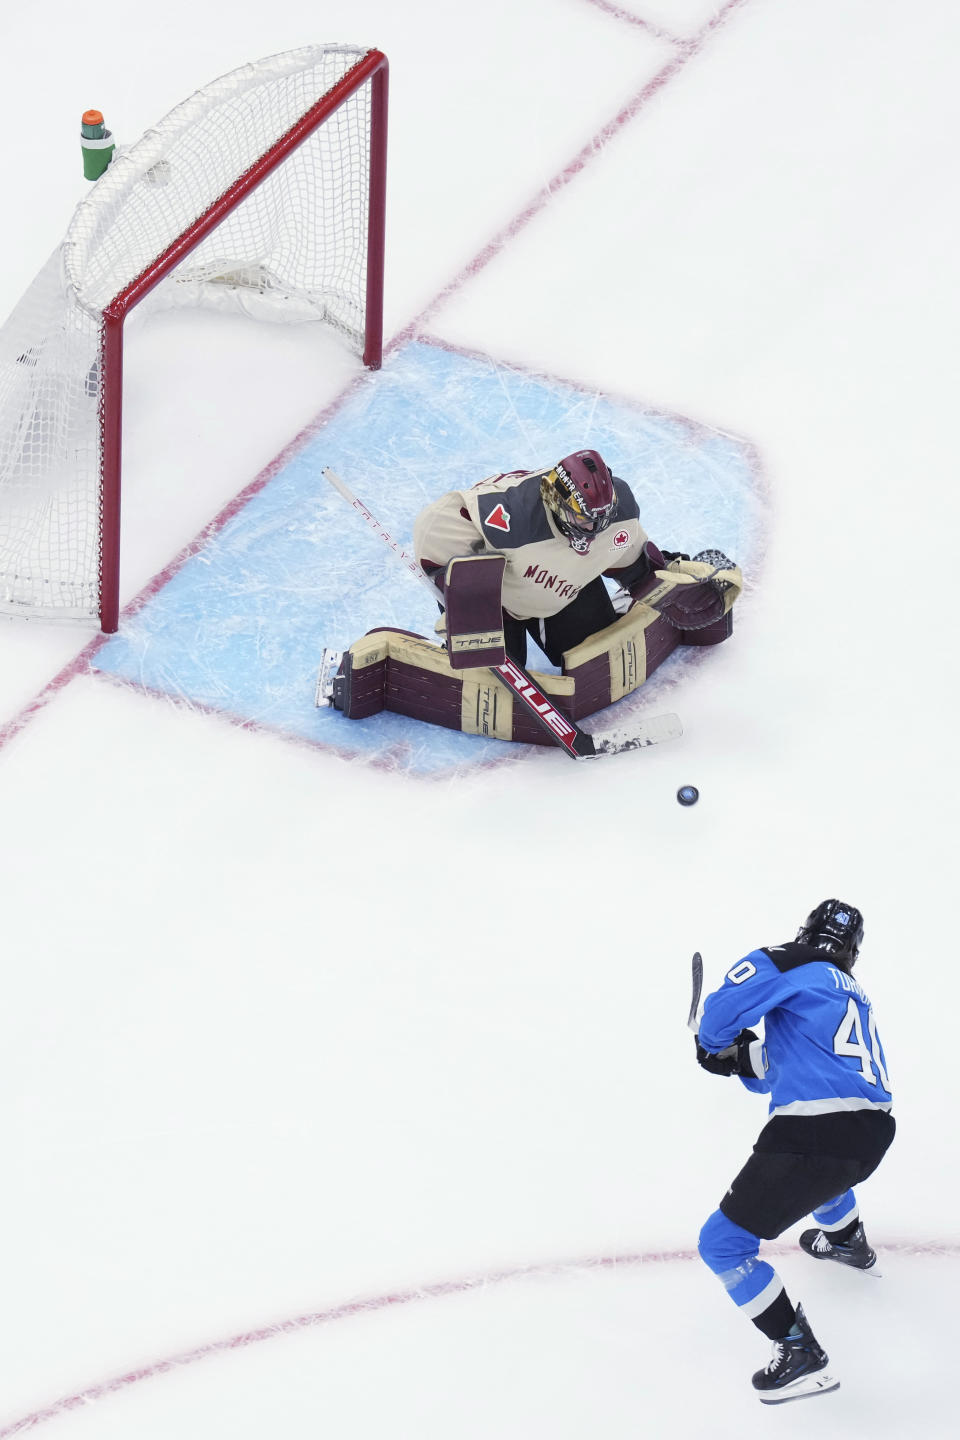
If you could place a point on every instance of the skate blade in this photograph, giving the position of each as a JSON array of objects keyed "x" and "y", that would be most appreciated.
[
  {"x": 330, "y": 664},
  {"x": 819, "y": 1384},
  {"x": 873, "y": 1269}
]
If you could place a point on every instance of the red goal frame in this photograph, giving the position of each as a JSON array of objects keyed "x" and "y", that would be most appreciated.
[{"x": 372, "y": 68}]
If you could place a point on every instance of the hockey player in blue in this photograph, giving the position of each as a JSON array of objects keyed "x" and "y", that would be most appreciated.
[{"x": 822, "y": 1064}]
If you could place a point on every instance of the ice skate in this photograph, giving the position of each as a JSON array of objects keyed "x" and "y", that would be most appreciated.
[
  {"x": 329, "y": 666},
  {"x": 854, "y": 1251},
  {"x": 798, "y": 1368}
]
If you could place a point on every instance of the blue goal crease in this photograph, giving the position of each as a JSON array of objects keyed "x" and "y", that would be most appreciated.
[{"x": 241, "y": 626}]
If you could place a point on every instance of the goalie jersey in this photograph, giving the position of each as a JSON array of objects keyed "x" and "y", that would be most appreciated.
[
  {"x": 505, "y": 515},
  {"x": 824, "y": 1055}
]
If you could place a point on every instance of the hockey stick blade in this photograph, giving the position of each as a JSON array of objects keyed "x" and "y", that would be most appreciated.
[
  {"x": 697, "y": 979},
  {"x": 580, "y": 744},
  {"x": 647, "y": 732}
]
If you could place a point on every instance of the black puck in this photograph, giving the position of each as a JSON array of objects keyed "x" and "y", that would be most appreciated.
[{"x": 688, "y": 795}]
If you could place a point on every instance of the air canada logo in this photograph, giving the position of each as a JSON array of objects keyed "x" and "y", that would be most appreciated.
[
  {"x": 498, "y": 519},
  {"x": 621, "y": 539}
]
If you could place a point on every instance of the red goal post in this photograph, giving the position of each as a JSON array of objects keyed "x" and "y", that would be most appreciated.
[{"x": 264, "y": 193}]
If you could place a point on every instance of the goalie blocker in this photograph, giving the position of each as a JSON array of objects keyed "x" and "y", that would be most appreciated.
[
  {"x": 389, "y": 669},
  {"x": 474, "y": 617}
]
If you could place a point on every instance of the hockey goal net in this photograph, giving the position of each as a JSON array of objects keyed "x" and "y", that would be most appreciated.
[{"x": 263, "y": 192}]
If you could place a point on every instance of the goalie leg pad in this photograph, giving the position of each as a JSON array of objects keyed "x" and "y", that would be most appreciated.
[
  {"x": 381, "y": 672},
  {"x": 617, "y": 660},
  {"x": 471, "y": 596},
  {"x": 396, "y": 670}
]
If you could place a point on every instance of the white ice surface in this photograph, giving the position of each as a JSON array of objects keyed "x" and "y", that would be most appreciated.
[{"x": 280, "y": 1033}]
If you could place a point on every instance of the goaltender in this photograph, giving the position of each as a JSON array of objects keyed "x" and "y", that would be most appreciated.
[
  {"x": 528, "y": 555},
  {"x": 560, "y": 531}
]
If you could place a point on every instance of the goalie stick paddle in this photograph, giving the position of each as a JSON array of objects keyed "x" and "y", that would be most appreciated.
[
  {"x": 577, "y": 743},
  {"x": 697, "y": 977}
]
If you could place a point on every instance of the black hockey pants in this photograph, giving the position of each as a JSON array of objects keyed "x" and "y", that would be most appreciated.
[{"x": 591, "y": 611}]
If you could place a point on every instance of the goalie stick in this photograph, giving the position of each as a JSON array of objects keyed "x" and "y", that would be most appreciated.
[
  {"x": 693, "y": 1018},
  {"x": 576, "y": 743}
]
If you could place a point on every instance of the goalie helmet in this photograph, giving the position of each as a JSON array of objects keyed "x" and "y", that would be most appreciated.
[
  {"x": 579, "y": 492},
  {"x": 835, "y": 927}
]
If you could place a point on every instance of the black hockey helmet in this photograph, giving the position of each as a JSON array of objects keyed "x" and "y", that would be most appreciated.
[{"x": 836, "y": 927}]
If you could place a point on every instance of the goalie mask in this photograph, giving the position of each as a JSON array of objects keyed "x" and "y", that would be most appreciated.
[
  {"x": 579, "y": 492},
  {"x": 835, "y": 927}
]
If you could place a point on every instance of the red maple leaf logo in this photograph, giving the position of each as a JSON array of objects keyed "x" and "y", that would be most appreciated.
[
  {"x": 621, "y": 538},
  {"x": 498, "y": 519}
]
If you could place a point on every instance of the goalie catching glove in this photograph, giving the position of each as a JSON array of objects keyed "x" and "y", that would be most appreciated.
[{"x": 689, "y": 594}]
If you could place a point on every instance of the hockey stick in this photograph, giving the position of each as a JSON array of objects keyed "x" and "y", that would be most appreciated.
[
  {"x": 697, "y": 968},
  {"x": 563, "y": 732},
  {"x": 757, "y": 1049}
]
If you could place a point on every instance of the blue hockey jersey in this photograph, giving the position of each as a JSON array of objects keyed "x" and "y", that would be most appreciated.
[{"x": 823, "y": 1051}]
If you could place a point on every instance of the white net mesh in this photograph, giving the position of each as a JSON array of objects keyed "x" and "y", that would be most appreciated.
[
  {"x": 49, "y": 460},
  {"x": 294, "y": 247}
]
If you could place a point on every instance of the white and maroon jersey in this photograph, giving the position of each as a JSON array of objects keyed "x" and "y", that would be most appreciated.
[{"x": 505, "y": 515}]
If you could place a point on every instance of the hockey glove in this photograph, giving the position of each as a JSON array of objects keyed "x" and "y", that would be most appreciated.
[
  {"x": 723, "y": 1062},
  {"x": 736, "y": 1059},
  {"x": 751, "y": 1055},
  {"x": 693, "y": 607}
]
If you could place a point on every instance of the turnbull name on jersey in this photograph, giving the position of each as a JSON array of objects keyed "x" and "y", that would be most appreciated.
[{"x": 847, "y": 982}]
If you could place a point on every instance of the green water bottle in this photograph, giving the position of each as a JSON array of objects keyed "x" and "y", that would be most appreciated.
[{"x": 97, "y": 143}]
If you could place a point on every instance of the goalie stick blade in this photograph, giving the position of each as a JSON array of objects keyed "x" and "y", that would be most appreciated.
[
  {"x": 329, "y": 665},
  {"x": 577, "y": 743},
  {"x": 647, "y": 732},
  {"x": 697, "y": 979}
]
